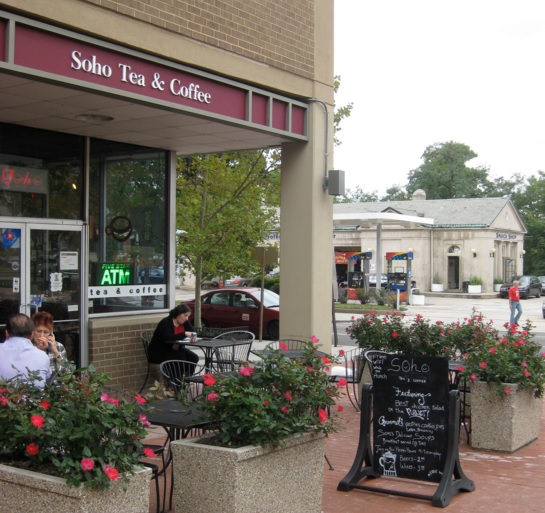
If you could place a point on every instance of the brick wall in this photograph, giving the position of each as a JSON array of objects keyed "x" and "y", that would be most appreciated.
[
  {"x": 118, "y": 352},
  {"x": 279, "y": 33}
]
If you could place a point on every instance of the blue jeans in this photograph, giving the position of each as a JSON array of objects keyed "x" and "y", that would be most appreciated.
[{"x": 515, "y": 305}]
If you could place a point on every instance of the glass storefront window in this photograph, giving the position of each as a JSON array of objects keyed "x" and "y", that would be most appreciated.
[
  {"x": 127, "y": 227},
  {"x": 40, "y": 173}
]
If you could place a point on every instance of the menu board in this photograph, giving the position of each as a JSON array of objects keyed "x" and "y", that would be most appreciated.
[{"x": 410, "y": 416}]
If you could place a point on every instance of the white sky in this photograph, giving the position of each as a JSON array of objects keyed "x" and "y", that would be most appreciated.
[{"x": 427, "y": 71}]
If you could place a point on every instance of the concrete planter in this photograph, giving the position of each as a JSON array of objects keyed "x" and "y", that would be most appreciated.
[
  {"x": 503, "y": 423},
  {"x": 474, "y": 289},
  {"x": 497, "y": 287},
  {"x": 23, "y": 491},
  {"x": 209, "y": 478},
  {"x": 437, "y": 287},
  {"x": 418, "y": 300}
]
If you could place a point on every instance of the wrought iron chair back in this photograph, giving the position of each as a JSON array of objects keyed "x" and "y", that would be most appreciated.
[{"x": 184, "y": 378}]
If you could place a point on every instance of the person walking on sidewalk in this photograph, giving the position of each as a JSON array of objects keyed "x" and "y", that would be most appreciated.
[{"x": 514, "y": 303}]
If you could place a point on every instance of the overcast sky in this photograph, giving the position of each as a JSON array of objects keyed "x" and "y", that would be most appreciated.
[{"x": 427, "y": 71}]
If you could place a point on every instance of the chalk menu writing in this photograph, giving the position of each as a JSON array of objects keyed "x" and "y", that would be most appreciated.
[{"x": 410, "y": 416}]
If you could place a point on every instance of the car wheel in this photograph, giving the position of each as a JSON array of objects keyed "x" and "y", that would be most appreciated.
[
  {"x": 273, "y": 330},
  {"x": 538, "y": 295},
  {"x": 524, "y": 296}
]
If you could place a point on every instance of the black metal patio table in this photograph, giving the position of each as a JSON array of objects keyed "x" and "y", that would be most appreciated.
[
  {"x": 179, "y": 420},
  {"x": 208, "y": 347}
]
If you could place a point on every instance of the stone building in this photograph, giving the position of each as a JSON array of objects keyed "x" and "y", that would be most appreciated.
[{"x": 476, "y": 237}]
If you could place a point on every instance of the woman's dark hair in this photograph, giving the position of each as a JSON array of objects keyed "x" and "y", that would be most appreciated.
[{"x": 179, "y": 309}]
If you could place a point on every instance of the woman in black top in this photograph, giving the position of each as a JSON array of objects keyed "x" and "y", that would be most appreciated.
[{"x": 174, "y": 327}]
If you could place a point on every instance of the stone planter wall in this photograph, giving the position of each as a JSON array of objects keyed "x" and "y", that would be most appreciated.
[
  {"x": 503, "y": 423},
  {"x": 248, "y": 479},
  {"x": 23, "y": 491},
  {"x": 437, "y": 287},
  {"x": 474, "y": 289}
]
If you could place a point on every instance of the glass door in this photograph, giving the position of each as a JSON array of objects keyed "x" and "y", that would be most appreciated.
[{"x": 41, "y": 270}]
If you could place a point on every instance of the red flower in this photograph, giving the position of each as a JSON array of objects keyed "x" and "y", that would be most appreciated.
[
  {"x": 37, "y": 420},
  {"x": 246, "y": 371},
  {"x": 287, "y": 395},
  {"x": 507, "y": 390},
  {"x": 212, "y": 397},
  {"x": 482, "y": 365},
  {"x": 87, "y": 464},
  {"x": 473, "y": 377},
  {"x": 322, "y": 414},
  {"x": 326, "y": 360},
  {"x": 526, "y": 373},
  {"x": 492, "y": 350},
  {"x": 341, "y": 352},
  {"x": 284, "y": 409},
  {"x": 209, "y": 380},
  {"x": 148, "y": 452},
  {"x": 524, "y": 364},
  {"x": 111, "y": 472},
  {"x": 340, "y": 407},
  {"x": 341, "y": 382},
  {"x": 32, "y": 449},
  {"x": 140, "y": 400},
  {"x": 395, "y": 334},
  {"x": 265, "y": 403},
  {"x": 314, "y": 339},
  {"x": 45, "y": 404},
  {"x": 142, "y": 418},
  {"x": 282, "y": 346},
  {"x": 3, "y": 401}
]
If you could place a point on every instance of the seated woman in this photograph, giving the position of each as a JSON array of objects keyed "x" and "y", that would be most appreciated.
[
  {"x": 44, "y": 339},
  {"x": 175, "y": 327}
]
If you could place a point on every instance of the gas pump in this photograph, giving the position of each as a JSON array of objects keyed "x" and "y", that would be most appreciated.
[
  {"x": 399, "y": 277},
  {"x": 358, "y": 279}
]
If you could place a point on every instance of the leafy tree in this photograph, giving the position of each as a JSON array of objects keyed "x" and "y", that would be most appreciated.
[
  {"x": 445, "y": 175},
  {"x": 394, "y": 193},
  {"x": 225, "y": 206},
  {"x": 530, "y": 202},
  {"x": 340, "y": 112},
  {"x": 357, "y": 195}
]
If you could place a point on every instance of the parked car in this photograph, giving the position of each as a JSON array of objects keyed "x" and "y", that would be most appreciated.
[
  {"x": 383, "y": 281},
  {"x": 232, "y": 307},
  {"x": 542, "y": 280},
  {"x": 528, "y": 286},
  {"x": 237, "y": 281}
]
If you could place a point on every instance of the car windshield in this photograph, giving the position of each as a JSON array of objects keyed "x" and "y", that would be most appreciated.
[
  {"x": 524, "y": 280},
  {"x": 270, "y": 298}
]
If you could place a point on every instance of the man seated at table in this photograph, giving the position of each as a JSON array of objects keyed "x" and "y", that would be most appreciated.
[
  {"x": 163, "y": 345},
  {"x": 18, "y": 355}
]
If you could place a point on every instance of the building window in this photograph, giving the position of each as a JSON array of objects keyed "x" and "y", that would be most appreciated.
[
  {"x": 454, "y": 249},
  {"x": 127, "y": 207}
]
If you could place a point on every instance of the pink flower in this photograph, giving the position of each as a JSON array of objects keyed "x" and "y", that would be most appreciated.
[
  {"x": 142, "y": 418},
  {"x": 282, "y": 346},
  {"x": 246, "y": 371},
  {"x": 341, "y": 382},
  {"x": 326, "y": 360},
  {"x": 148, "y": 452},
  {"x": 45, "y": 404},
  {"x": 37, "y": 420},
  {"x": 287, "y": 395},
  {"x": 507, "y": 390},
  {"x": 87, "y": 464},
  {"x": 492, "y": 350},
  {"x": 482, "y": 365},
  {"x": 526, "y": 373},
  {"x": 104, "y": 397},
  {"x": 111, "y": 472},
  {"x": 460, "y": 368},
  {"x": 212, "y": 397},
  {"x": 340, "y": 407},
  {"x": 140, "y": 400},
  {"x": 341, "y": 352},
  {"x": 309, "y": 368},
  {"x": 524, "y": 364},
  {"x": 314, "y": 339},
  {"x": 284, "y": 409},
  {"x": 473, "y": 377},
  {"x": 3, "y": 401},
  {"x": 322, "y": 415},
  {"x": 32, "y": 449},
  {"x": 209, "y": 380},
  {"x": 395, "y": 334}
]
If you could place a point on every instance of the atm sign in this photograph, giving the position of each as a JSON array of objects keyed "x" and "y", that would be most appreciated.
[{"x": 114, "y": 274}]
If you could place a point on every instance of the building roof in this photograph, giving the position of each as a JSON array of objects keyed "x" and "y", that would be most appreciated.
[{"x": 450, "y": 213}]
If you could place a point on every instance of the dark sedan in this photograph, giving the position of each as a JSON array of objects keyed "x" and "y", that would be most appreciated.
[
  {"x": 233, "y": 307},
  {"x": 528, "y": 286}
]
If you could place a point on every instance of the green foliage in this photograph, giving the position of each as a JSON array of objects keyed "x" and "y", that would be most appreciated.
[
  {"x": 277, "y": 397},
  {"x": 357, "y": 195},
  {"x": 475, "y": 280},
  {"x": 363, "y": 297},
  {"x": 512, "y": 358},
  {"x": 70, "y": 424},
  {"x": 436, "y": 278},
  {"x": 444, "y": 173},
  {"x": 340, "y": 112},
  {"x": 271, "y": 283},
  {"x": 498, "y": 280}
]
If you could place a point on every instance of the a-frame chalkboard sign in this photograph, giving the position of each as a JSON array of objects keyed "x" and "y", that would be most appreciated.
[{"x": 415, "y": 429}]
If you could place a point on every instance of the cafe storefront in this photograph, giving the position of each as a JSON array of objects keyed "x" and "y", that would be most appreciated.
[{"x": 90, "y": 128}]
